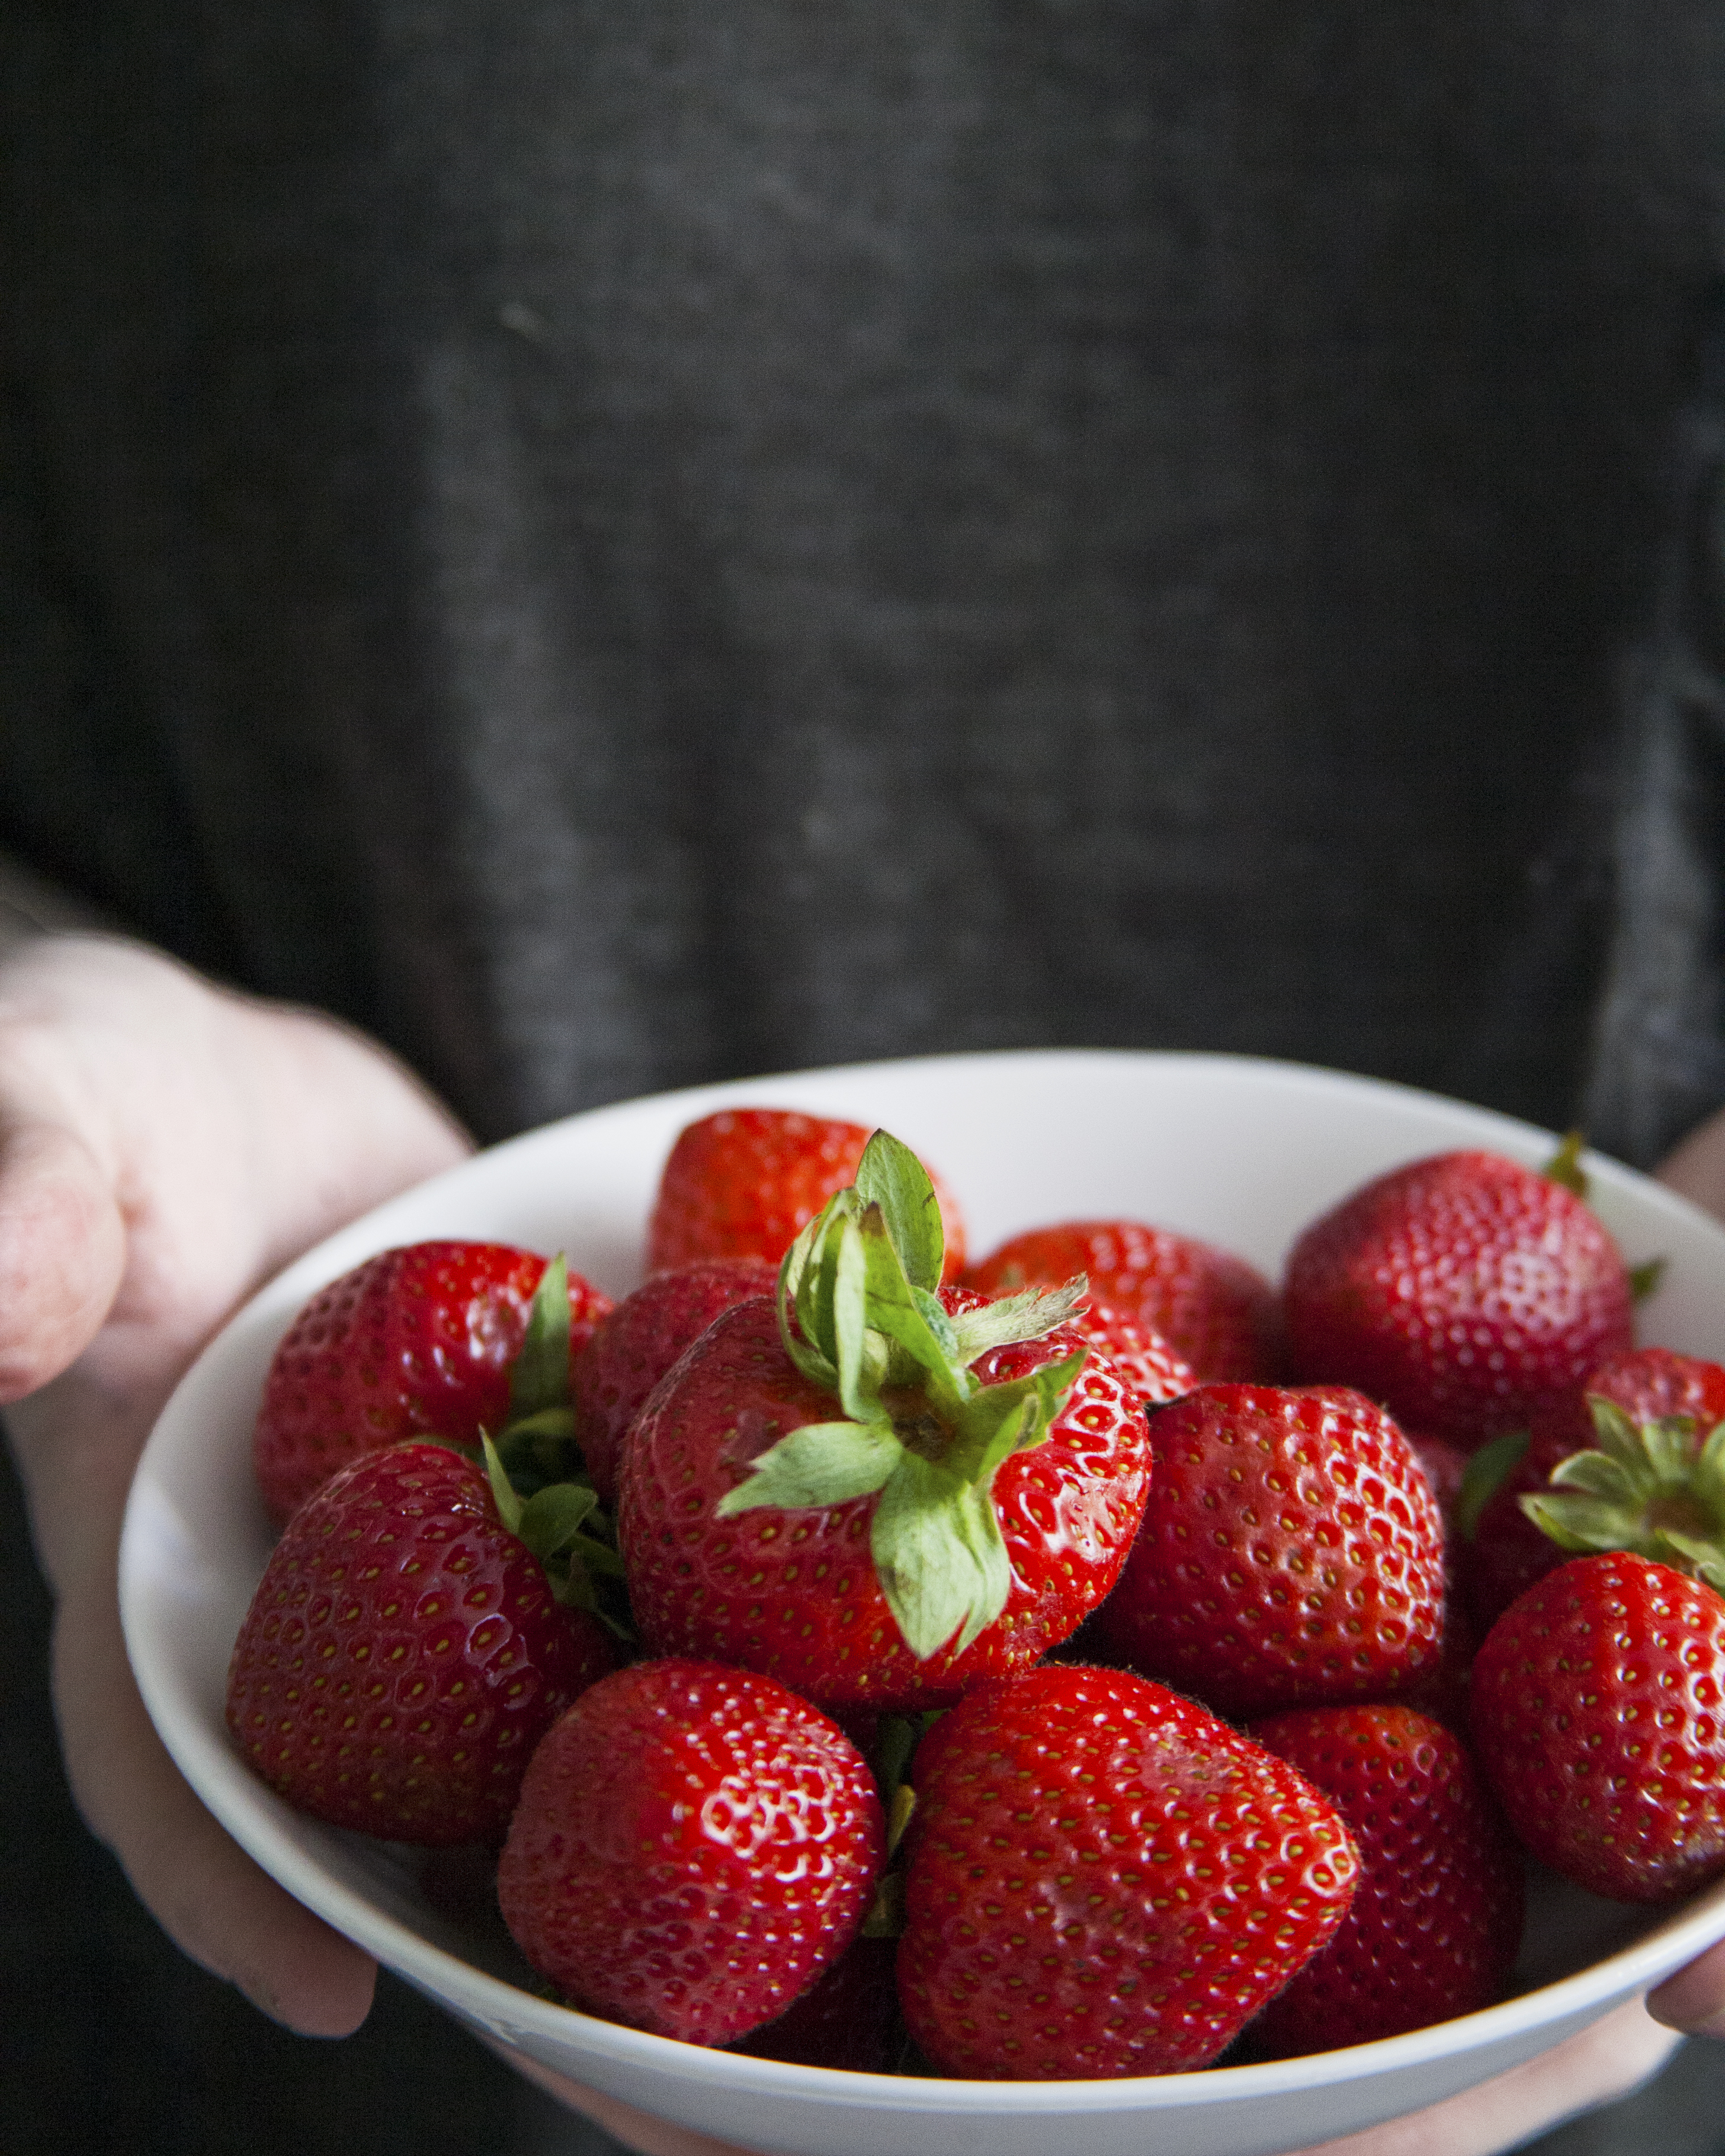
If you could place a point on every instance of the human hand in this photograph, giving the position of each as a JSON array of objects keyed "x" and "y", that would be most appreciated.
[{"x": 164, "y": 1147}]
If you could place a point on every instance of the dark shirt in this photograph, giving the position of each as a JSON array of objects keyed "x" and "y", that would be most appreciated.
[{"x": 621, "y": 546}]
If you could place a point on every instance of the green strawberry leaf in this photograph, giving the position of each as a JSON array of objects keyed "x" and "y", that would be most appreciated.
[
  {"x": 551, "y": 1519},
  {"x": 1030, "y": 1315},
  {"x": 1690, "y": 1553},
  {"x": 510, "y": 1507},
  {"x": 1599, "y": 1475},
  {"x": 890, "y": 1176},
  {"x": 1485, "y": 1474},
  {"x": 1579, "y": 1522},
  {"x": 1617, "y": 1434},
  {"x": 539, "y": 1377},
  {"x": 938, "y": 1556},
  {"x": 1565, "y": 1166},
  {"x": 895, "y": 1309},
  {"x": 1708, "y": 1478},
  {"x": 1645, "y": 1279},
  {"x": 821, "y": 1464}
]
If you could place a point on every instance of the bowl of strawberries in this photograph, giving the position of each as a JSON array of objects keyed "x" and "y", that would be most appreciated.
[{"x": 1049, "y": 1625}]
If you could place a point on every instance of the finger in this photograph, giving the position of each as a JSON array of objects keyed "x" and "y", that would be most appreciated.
[
  {"x": 1697, "y": 1168},
  {"x": 634, "y": 2129},
  {"x": 216, "y": 1904},
  {"x": 1616, "y": 2054},
  {"x": 62, "y": 1253},
  {"x": 1693, "y": 2001}
]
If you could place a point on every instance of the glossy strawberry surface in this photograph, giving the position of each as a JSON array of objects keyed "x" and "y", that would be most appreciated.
[
  {"x": 1599, "y": 1714},
  {"x": 1436, "y": 1918},
  {"x": 1291, "y": 1552},
  {"x": 1157, "y": 1372},
  {"x": 693, "y": 1845},
  {"x": 416, "y": 1341},
  {"x": 1104, "y": 1880},
  {"x": 403, "y": 1654},
  {"x": 1505, "y": 1552},
  {"x": 632, "y": 1348},
  {"x": 744, "y": 1182},
  {"x": 795, "y": 1593},
  {"x": 1463, "y": 1291},
  {"x": 1213, "y": 1309}
]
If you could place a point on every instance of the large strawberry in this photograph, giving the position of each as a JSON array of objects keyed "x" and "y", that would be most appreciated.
[
  {"x": 875, "y": 1490},
  {"x": 1462, "y": 1292},
  {"x": 693, "y": 1845},
  {"x": 745, "y": 1181},
  {"x": 632, "y": 1349},
  {"x": 1211, "y": 1308},
  {"x": 1436, "y": 1919},
  {"x": 1104, "y": 1880},
  {"x": 1637, "y": 1432},
  {"x": 1598, "y": 1713},
  {"x": 1291, "y": 1552},
  {"x": 404, "y": 1653},
  {"x": 418, "y": 1342}
]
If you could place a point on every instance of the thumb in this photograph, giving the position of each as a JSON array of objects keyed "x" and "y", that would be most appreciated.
[{"x": 62, "y": 1252}]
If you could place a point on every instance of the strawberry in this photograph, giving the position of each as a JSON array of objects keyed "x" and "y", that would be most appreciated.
[
  {"x": 1104, "y": 1880},
  {"x": 633, "y": 1348},
  {"x": 745, "y": 1182},
  {"x": 416, "y": 1341},
  {"x": 1291, "y": 1553},
  {"x": 693, "y": 1845},
  {"x": 874, "y": 1491},
  {"x": 404, "y": 1653},
  {"x": 1504, "y": 1548},
  {"x": 1155, "y": 1371},
  {"x": 1436, "y": 1919},
  {"x": 845, "y": 2018},
  {"x": 1599, "y": 1714},
  {"x": 1213, "y": 1309},
  {"x": 1462, "y": 1292}
]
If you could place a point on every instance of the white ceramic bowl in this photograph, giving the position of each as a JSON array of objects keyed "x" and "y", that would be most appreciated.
[{"x": 1239, "y": 1151}]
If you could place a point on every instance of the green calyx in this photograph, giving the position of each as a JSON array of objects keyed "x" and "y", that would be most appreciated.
[
  {"x": 538, "y": 1479},
  {"x": 859, "y": 1316},
  {"x": 1653, "y": 1488}
]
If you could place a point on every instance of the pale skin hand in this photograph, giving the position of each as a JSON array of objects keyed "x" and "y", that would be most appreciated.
[{"x": 165, "y": 1148}]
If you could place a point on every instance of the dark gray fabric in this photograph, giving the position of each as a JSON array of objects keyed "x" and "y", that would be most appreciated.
[{"x": 619, "y": 548}]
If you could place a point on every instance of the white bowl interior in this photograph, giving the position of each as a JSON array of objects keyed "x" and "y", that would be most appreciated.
[{"x": 1241, "y": 1151}]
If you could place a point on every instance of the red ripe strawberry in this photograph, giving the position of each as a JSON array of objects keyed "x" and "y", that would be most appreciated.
[
  {"x": 745, "y": 1182},
  {"x": 403, "y": 1654},
  {"x": 1155, "y": 1371},
  {"x": 1598, "y": 1713},
  {"x": 633, "y": 1348},
  {"x": 1104, "y": 1880},
  {"x": 1436, "y": 1919},
  {"x": 693, "y": 1845},
  {"x": 416, "y": 1341},
  {"x": 844, "y": 2020},
  {"x": 1291, "y": 1553},
  {"x": 797, "y": 1592},
  {"x": 1503, "y": 1550},
  {"x": 1462, "y": 1292},
  {"x": 877, "y": 1491},
  {"x": 1212, "y": 1309}
]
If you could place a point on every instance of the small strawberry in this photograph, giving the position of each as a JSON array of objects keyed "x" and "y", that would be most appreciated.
[
  {"x": 1462, "y": 1292},
  {"x": 1599, "y": 1714},
  {"x": 633, "y": 1348},
  {"x": 877, "y": 1491},
  {"x": 1436, "y": 1920},
  {"x": 1213, "y": 1309},
  {"x": 419, "y": 1342},
  {"x": 1666, "y": 1405},
  {"x": 745, "y": 1182},
  {"x": 1104, "y": 1880},
  {"x": 404, "y": 1653},
  {"x": 693, "y": 1845},
  {"x": 1291, "y": 1553}
]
